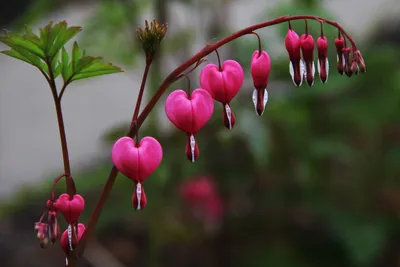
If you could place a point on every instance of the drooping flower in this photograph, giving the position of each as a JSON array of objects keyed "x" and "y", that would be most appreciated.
[
  {"x": 296, "y": 65},
  {"x": 307, "y": 49},
  {"x": 260, "y": 68},
  {"x": 190, "y": 114},
  {"x": 137, "y": 161},
  {"x": 323, "y": 62},
  {"x": 223, "y": 83}
]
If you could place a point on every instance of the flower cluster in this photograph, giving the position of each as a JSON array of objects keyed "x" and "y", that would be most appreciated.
[
  {"x": 71, "y": 207},
  {"x": 190, "y": 111},
  {"x": 301, "y": 56}
]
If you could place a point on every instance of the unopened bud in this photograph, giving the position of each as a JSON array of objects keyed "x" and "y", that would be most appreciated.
[{"x": 151, "y": 36}]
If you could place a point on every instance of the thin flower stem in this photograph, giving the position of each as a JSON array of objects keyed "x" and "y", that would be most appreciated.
[
  {"x": 61, "y": 128},
  {"x": 172, "y": 77},
  {"x": 259, "y": 43},
  {"x": 219, "y": 60},
  {"x": 141, "y": 91}
]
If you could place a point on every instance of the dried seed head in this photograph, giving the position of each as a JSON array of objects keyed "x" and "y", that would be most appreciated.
[{"x": 151, "y": 36}]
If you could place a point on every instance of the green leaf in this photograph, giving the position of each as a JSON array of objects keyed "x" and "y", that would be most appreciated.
[
  {"x": 66, "y": 68},
  {"x": 76, "y": 56},
  {"x": 25, "y": 56},
  {"x": 62, "y": 36},
  {"x": 55, "y": 66},
  {"x": 17, "y": 41},
  {"x": 97, "y": 69}
]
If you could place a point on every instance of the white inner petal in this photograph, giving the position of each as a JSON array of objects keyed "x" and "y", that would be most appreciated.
[
  {"x": 138, "y": 194},
  {"x": 313, "y": 69},
  {"x": 255, "y": 99},
  {"x": 192, "y": 146},
  {"x": 265, "y": 98},
  {"x": 327, "y": 68},
  {"x": 228, "y": 115},
  {"x": 70, "y": 237},
  {"x": 291, "y": 71}
]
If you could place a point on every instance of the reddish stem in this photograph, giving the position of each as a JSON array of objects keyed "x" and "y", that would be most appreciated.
[
  {"x": 141, "y": 91},
  {"x": 259, "y": 43},
  {"x": 163, "y": 87},
  {"x": 219, "y": 60},
  {"x": 306, "y": 23}
]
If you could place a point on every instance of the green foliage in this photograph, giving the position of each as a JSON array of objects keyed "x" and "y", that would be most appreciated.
[{"x": 47, "y": 51}]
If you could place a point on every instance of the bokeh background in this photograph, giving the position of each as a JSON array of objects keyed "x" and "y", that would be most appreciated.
[{"x": 313, "y": 182}]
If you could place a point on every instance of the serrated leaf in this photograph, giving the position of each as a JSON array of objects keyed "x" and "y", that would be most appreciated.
[
  {"x": 55, "y": 66},
  {"x": 63, "y": 37},
  {"x": 76, "y": 56},
  {"x": 27, "y": 57},
  {"x": 45, "y": 35},
  {"x": 17, "y": 41},
  {"x": 66, "y": 70},
  {"x": 96, "y": 69}
]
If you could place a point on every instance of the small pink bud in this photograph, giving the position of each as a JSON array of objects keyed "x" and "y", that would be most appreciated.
[
  {"x": 260, "y": 68},
  {"x": 339, "y": 43},
  {"x": 307, "y": 48},
  {"x": 296, "y": 65},
  {"x": 323, "y": 63},
  {"x": 192, "y": 150},
  {"x": 228, "y": 117},
  {"x": 223, "y": 85},
  {"x": 137, "y": 161},
  {"x": 70, "y": 209},
  {"x": 139, "y": 199}
]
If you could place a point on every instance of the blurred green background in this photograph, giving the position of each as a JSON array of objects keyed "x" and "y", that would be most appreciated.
[{"x": 313, "y": 182}]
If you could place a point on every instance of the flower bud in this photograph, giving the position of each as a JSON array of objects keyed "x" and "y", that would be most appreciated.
[
  {"x": 260, "y": 68},
  {"x": 42, "y": 233},
  {"x": 139, "y": 199},
  {"x": 323, "y": 63},
  {"x": 151, "y": 36},
  {"x": 296, "y": 66},
  {"x": 360, "y": 60},
  {"x": 307, "y": 48},
  {"x": 347, "y": 65},
  {"x": 54, "y": 227},
  {"x": 339, "y": 43}
]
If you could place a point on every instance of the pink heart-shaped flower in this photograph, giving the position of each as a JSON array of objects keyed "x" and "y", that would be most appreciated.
[
  {"x": 137, "y": 161},
  {"x": 224, "y": 84},
  {"x": 70, "y": 209},
  {"x": 189, "y": 114}
]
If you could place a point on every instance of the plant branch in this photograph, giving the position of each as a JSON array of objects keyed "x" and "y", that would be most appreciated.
[
  {"x": 61, "y": 128},
  {"x": 171, "y": 78},
  {"x": 141, "y": 91}
]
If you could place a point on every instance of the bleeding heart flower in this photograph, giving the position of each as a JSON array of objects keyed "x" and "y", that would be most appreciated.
[
  {"x": 307, "y": 49},
  {"x": 339, "y": 43},
  {"x": 260, "y": 68},
  {"x": 71, "y": 209},
  {"x": 70, "y": 238},
  {"x": 223, "y": 83},
  {"x": 190, "y": 114},
  {"x": 137, "y": 161},
  {"x": 296, "y": 65},
  {"x": 323, "y": 63}
]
